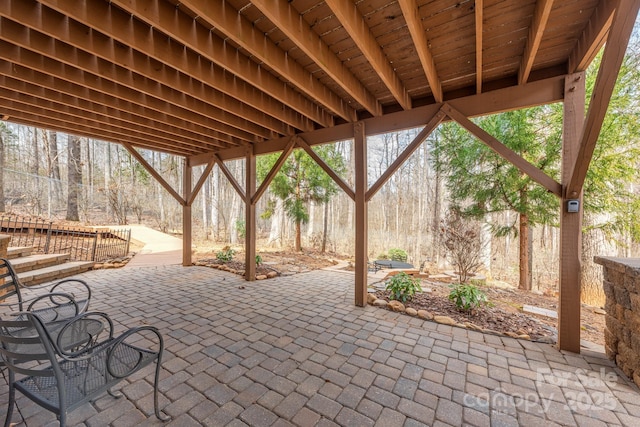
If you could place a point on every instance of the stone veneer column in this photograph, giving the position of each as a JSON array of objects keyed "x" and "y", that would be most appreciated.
[{"x": 622, "y": 332}]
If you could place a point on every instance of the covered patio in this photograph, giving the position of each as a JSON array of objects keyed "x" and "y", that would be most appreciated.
[
  {"x": 296, "y": 351},
  {"x": 212, "y": 81}
]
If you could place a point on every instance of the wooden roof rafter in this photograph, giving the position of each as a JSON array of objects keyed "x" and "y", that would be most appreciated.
[
  {"x": 355, "y": 25},
  {"x": 69, "y": 43},
  {"x": 536, "y": 30},
  {"x": 419, "y": 37},
  {"x": 288, "y": 20},
  {"x": 122, "y": 29},
  {"x": 224, "y": 18}
]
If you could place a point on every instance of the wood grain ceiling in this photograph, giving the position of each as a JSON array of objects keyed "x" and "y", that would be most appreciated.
[{"x": 202, "y": 76}]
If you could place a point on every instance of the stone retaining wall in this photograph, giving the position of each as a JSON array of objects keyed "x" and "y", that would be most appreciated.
[
  {"x": 4, "y": 244},
  {"x": 622, "y": 332}
]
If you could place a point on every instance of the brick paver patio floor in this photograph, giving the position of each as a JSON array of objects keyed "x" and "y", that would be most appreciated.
[{"x": 296, "y": 351}]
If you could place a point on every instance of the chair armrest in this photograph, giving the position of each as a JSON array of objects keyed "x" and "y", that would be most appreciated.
[
  {"x": 122, "y": 370},
  {"x": 82, "y": 284},
  {"x": 59, "y": 334}
]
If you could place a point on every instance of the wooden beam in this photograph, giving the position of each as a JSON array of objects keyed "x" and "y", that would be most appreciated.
[
  {"x": 612, "y": 58},
  {"x": 419, "y": 37},
  {"x": 250, "y": 217},
  {"x": 289, "y": 21},
  {"x": 593, "y": 37},
  {"x": 201, "y": 181},
  {"x": 479, "y": 14},
  {"x": 508, "y": 154},
  {"x": 540, "y": 92},
  {"x": 28, "y": 65},
  {"x": 570, "y": 223},
  {"x": 107, "y": 127},
  {"x": 536, "y": 31},
  {"x": 230, "y": 177},
  {"x": 234, "y": 25},
  {"x": 274, "y": 170},
  {"x": 186, "y": 215},
  {"x": 154, "y": 173},
  {"x": 336, "y": 178},
  {"x": 181, "y": 27},
  {"x": 52, "y": 119},
  {"x": 117, "y": 120},
  {"x": 139, "y": 37},
  {"x": 361, "y": 220},
  {"x": 411, "y": 148},
  {"x": 356, "y": 26}
]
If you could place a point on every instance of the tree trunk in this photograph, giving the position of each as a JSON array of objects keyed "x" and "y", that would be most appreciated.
[
  {"x": 325, "y": 218},
  {"x": 54, "y": 162},
  {"x": 74, "y": 178},
  {"x": 525, "y": 270},
  {"x": 593, "y": 243},
  {"x": 275, "y": 234},
  {"x": 298, "y": 237}
]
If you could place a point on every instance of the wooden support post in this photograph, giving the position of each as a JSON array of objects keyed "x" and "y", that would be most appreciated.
[
  {"x": 360, "y": 148},
  {"x": 250, "y": 217},
  {"x": 570, "y": 222},
  {"x": 186, "y": 214}
]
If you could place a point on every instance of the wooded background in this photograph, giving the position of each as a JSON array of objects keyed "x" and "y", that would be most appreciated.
[{"x": 61, "y": 176}]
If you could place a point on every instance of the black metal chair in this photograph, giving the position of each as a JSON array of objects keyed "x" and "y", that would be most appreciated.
[
  {"x": 77, "y": 366},
  {"x": 64, "y": 299}
]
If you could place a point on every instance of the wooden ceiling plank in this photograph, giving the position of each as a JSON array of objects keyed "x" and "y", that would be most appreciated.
[
  {"x": 154, "y": 173},
  {"x": 224, "y": 18},
  {"x": 60, "y": 77},
  {"x": 141, "y": 40},
  {"x": 593, "y": 37},
  {"x": 168, "y": 19},
  {"x": 142, "y": 124},
  {"x": 505, "y": 152},
  {"x": 75, "y": 115},
  {"x": 479, "y": 20},
  {"x": 614, "y": 51},
  {"x": 288, "y": 20},
  {"x": 54, "y": 120},
  {"x": 37, "y": 51},
  {"x": 419, "y": 37},
  {"x": 356, "y": 26},
  {"x": 536, "y": 31}
]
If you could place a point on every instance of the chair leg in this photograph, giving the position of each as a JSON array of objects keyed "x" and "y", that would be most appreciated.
[
  {"x": 114, "y": 393},
  {"x": 159, "y": 414},
  {"x": 12, "y": 400}
]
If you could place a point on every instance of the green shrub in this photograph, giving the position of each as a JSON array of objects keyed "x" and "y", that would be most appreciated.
[
  {"x": 403, "y": 287},
  {"x": 226, "y": 254},
  {"x": 467, "y": 297},
  {"x": 396, "y": 254},
  {"x": 258, "y": 260},
  {"x": 383, "y": 255}
]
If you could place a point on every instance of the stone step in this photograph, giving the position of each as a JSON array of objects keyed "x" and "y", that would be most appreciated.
[
  {"x": 37, "y": 261},
  {"x": 18, "y": 251},
  {"x": 55, "y": 272}
]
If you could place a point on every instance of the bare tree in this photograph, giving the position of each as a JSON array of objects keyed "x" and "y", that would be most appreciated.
[{"x": 74, "y": 177}]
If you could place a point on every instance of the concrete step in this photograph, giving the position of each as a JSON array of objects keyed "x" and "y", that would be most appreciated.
[
  {"x": 34, "y": 262},
  {"x": 18, "y": 251},
  {"x": 55, "y": 272}
]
